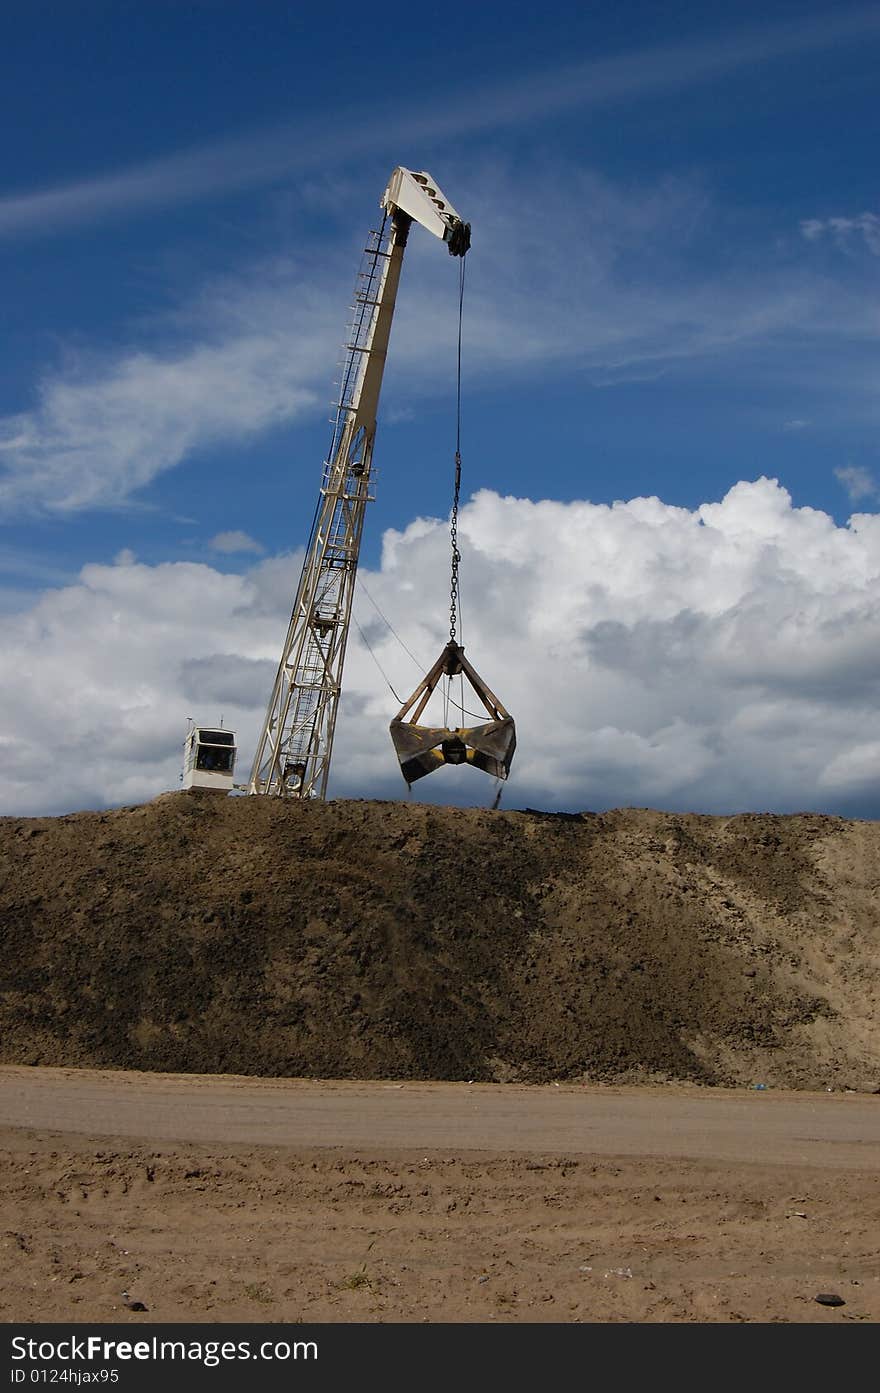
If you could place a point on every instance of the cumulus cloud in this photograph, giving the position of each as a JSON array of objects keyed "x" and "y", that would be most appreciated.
[{"x": 720, "y": 658}]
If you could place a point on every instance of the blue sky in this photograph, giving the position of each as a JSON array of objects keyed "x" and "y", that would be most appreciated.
[{"x": 672, "y": 291}]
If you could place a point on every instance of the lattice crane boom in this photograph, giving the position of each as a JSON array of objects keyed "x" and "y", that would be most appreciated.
[{"x": 296, "y": 741}]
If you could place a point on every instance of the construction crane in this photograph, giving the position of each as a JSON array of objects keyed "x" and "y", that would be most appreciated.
[{"x": 296, "y": 741}]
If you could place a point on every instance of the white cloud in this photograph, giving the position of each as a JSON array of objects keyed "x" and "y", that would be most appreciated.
[
  {"x": 812, "y": 229},
  {"x": 106, "y": 427},
  {"x": 857, "y": 768},
  {"x": 230, "y": 543},
  {"x": 858, "y": 481},
  {"x": 716, "y": 659},
  {"x": 845, "y": 231},
  {"x": 614, "y": 294},
  {"x": 95, "y": 441},
  {"x": 617, "y": 298},
  {"x": 141, "y": 646},
  {"x": 265, "y": 157}
]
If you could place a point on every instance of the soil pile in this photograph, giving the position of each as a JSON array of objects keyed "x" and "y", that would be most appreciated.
[{"x": 384, "y": 939}]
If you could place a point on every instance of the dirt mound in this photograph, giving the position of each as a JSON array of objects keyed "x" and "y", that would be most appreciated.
[{"x": 370, "y": 939}]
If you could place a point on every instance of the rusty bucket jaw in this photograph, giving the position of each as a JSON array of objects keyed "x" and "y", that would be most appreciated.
[{"x": 422, "y": 749}]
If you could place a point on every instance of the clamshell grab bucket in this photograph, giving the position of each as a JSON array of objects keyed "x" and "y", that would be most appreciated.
[{"x": 422, "y": 749}]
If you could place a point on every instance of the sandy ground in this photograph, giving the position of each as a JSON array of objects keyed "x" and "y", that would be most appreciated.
[
  {"x": 370, "y": 940},
  {"x": 232, "y": 1199},
  {"x": 612, "y": 986}
]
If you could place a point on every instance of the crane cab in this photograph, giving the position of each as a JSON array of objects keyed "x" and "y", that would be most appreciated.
[{"x": 209, "y": 760}]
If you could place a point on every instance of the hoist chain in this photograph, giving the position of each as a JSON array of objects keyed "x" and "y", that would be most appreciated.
[
  {"x": 453, "y": 527},
  {"x": 456, "y": 554}
]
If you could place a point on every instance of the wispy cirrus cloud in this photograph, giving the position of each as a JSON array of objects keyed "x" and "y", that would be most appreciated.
[
  {"x": 105, "y": 426},
  {"x": 845, "y": 232},
  {"x": 618, "y": 299},
  {"x": 295, "y": 148},
  {"x": 235, "y": 543},
  {"x": 94, "y": 441},
  {"x": 858, "y": 482}
]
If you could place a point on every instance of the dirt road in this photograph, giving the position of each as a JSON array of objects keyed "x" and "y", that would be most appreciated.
[
  {"x": 226, "y": 1199},
  {"x": 838, "y": 1130}
]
